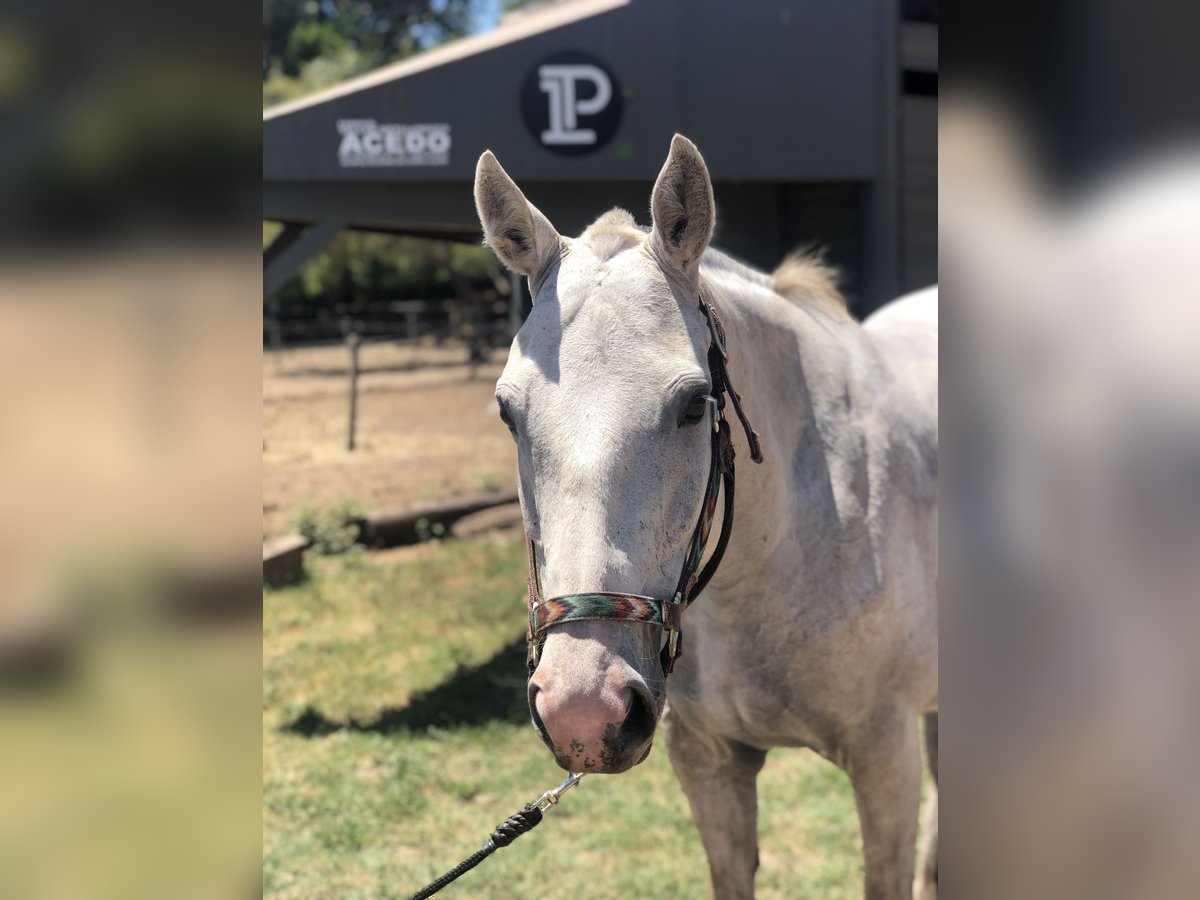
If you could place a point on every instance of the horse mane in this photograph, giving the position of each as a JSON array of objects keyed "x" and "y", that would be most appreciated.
[{"x": 805, "y": 276}]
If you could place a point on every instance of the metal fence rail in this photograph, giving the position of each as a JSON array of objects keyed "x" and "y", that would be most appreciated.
[{"x": 485, "y": 321}]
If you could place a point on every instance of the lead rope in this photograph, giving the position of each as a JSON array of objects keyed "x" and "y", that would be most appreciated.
[{"x": 525, "y": 819}]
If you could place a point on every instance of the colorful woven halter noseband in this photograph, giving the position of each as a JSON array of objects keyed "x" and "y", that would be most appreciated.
[{"x": 668, "y": 613}]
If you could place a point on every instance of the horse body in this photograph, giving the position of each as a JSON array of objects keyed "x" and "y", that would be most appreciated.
[
  {"x": 826, "y": 597},
  {"x": 819, "y": 629}
]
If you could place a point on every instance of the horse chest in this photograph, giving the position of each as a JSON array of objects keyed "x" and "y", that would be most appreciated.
[{"x": 765, "y": 687}]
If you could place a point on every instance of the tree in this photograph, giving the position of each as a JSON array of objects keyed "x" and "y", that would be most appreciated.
[
  {"x": 296, "y": 32},
  {"x": 309, "y": 45}
]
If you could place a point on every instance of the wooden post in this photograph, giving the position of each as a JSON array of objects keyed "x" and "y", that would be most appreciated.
[
  {"x": 275, "y": 330},
  {"x": 352, "y": 342}
]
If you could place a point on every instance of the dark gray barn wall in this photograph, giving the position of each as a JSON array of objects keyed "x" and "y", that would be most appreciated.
[
  {"x": 919, "y": 196},
  {"x": 785, "y": 99},
  {"x": 784, "y": 91},
  {"x": 918, "y": 155},
  {"x": 830, "y": 218},
  {"x": 878, "y": 278}
]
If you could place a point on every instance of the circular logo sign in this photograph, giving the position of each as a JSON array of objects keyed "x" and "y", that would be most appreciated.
[{"x": 571, "y": 103}]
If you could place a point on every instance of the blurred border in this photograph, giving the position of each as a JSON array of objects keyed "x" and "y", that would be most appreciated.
[
  {"x": 130, "y": 316},
  {"x": 1069, "y": 219}
]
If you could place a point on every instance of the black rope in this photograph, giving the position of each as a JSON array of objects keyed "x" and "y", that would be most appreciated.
[
  {"x": 503, "y": 835},
  {"x": 461, "y": 869}
]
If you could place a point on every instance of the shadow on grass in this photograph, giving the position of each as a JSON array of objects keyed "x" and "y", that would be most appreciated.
[
  {"x": 474, "y": 695},
  {"x": 300, "y": 579}
]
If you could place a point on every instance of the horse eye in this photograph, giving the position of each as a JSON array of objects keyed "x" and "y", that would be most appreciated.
[
  {"x": 696, "y": 409},
  {"x": 505, "y": 415}
]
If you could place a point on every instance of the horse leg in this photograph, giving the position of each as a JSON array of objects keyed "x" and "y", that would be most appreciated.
[
  {"x": 926, "y": 885},
  {"x": 884, "y": 765},
  {"x": 718, "y": 777}
]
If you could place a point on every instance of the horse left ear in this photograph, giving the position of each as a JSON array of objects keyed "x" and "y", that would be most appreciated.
[
  {"x": 682, "y": 207},
  {"x": 514, "y": 228}
]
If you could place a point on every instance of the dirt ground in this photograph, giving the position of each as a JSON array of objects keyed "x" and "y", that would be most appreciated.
[{"x": 427, "y": 429}]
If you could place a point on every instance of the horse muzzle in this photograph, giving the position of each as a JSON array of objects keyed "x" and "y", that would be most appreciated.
[{"x": 594, "y": 731}]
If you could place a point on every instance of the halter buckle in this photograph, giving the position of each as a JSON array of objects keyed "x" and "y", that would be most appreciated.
[
  {"x": 716, "y": 412},
  {"x": 672, "y": 613}
]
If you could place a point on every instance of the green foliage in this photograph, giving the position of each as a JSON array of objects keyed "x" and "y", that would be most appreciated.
[
  {"x": 297, "y": 32},
  {"x": 489, "y": 482},
  {"x": 321, "y": 72},
  {"x": 312, "y": 38},
  {"x": 331, "y": 531},
  {"x": 271, "y": 230},
  {"x": 361, "y": 265},
  {"x": 427, "y": 530}
]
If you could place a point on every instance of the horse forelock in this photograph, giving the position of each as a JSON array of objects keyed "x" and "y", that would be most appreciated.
[{"x": 613, "y": 233}]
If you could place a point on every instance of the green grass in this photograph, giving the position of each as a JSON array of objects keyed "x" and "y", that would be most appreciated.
[{"x": 395, "y": 737}]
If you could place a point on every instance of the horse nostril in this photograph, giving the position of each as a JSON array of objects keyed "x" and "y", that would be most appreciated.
[
  {"x": 640, "y": 720},
  {"x": 534, "y": 690}
]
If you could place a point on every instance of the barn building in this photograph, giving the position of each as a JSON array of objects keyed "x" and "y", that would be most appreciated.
[{"x": 817, "y": 120}]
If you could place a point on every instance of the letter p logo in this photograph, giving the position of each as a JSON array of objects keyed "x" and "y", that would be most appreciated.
[
  {"x": 571, "y": 103},
  {"x": 565, "y": 106}
]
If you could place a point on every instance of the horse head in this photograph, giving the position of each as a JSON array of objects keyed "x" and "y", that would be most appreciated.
[{"x": 607, "y": 395}]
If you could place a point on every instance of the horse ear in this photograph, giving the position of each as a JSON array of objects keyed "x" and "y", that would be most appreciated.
[
  {"x": 513, "y": 227},
  {"x": 682, "y": 207}
]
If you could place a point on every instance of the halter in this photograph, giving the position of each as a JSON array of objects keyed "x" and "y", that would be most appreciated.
[{"x": 612, "y": 605}]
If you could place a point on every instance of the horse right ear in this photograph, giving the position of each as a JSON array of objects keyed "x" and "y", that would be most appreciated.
[
  {"x": 514, "y": 228},
  {"x": 682, "y": 207}
]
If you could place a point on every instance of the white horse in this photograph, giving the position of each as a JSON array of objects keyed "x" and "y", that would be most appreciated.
[{"x": 820, "y": 627}]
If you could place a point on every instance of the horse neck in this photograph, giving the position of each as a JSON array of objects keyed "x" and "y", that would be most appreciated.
[
  {"x": 788, "y": 356},
  {"x": 797, "y": 367}
]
